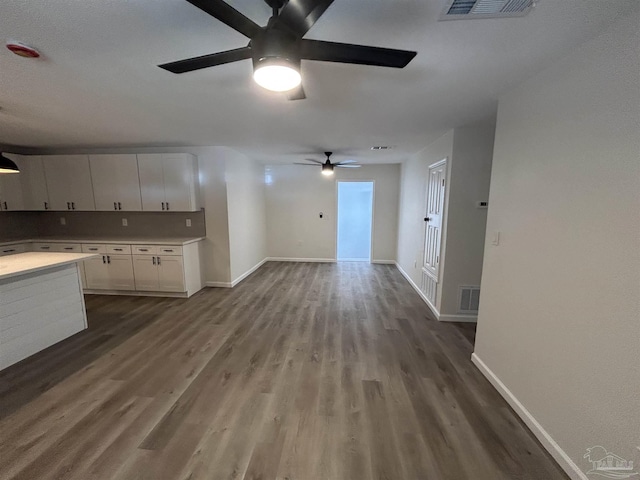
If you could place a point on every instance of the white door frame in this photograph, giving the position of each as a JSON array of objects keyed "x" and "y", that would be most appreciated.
[{"x": 373, "y": 216}]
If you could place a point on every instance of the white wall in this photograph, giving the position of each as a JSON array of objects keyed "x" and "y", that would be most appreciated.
[
  {"x": 246, "y": 213},
  {"x": 296, "y": 195},
  {"x": 559, "y": 321},
  {"x": 469, "y": 178}
]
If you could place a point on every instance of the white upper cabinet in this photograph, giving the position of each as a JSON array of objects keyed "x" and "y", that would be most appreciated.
[
  {"x": 69, "y": 182},
  {"x": 11, "y": 188},
  {"x": 115, "y": 182},
  {"x": 169, "y": 182},
  {"x": 34, "y": 183}
]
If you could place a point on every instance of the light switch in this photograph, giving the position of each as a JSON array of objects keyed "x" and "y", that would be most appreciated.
[{"x": 496, "y": 238}]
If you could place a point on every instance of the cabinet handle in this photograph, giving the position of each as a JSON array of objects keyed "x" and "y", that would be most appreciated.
[
  {"x": 115, "y": 206},
  {"x": 144, "y": 249},
  {"x": 119, "y": 206},
  {"x": 68, "y": 205},
  {"x": 5, "y": 205},
  {"x": 93, "y": 249},
  {"x": 162, "y": 205},
  {"x": 167, "y": 205},
  {"x": 73, "y": 205},
  {"x": 158, "y": 260},
  {"x": 104, "y": 260},
  {"x": 118, "y": 249},
  {"x": 154, "y": 260},
  {"x": 9, "y": 251},
  {"x": 68, "y": 248},
  {"x": 45, "y": 248},
  {"x": 46, "y": 205},
  {"x": 108, "y": 259}
]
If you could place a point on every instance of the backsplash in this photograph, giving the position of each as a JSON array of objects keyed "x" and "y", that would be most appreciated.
[{"x": 101, "y": 224}]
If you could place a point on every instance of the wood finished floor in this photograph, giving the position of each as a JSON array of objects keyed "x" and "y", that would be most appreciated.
[{"x": 302, "y": 372}]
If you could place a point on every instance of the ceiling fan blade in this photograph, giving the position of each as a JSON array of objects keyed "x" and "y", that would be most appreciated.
[
  {"x": 307, "y": 164},
  {"x": 346, "y": 166},
  {"x": 358, "y": 54},
  {"x": 344, "y": 162},
  {"x": 315, "y": 161},
  {"x": 298, "y": 16},
  {"x": 205, "y": 61},
  {"x": 228, "y": 15},
  {"x": 296, "y": 94}
]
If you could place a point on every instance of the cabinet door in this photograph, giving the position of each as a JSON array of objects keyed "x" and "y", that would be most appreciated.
[
  {"x": 11, "y": 187},
  {"x": 115, "y": 182},
  {"x": 69, "y": 182},
  {"x": 151, "y": 182},
  {"x": 145, "y": 272},
  {"x": 179, "y": 173},
  {"x": 34, "y": 183},
  {"x": 170, "y": 274},
  {"x": 96, "y": 273},
  {"x": 120, "y": 272}
]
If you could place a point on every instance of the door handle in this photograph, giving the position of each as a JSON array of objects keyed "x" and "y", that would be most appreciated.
[{"x": 426, "y": 219}]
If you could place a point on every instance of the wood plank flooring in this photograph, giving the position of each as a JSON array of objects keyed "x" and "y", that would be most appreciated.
[{"x": 302, "y": 372}]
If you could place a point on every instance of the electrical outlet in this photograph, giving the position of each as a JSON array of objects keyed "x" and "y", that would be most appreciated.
[
  {"x": 63, "y": 221},
  {"x": 188, "y": 222},
  {"x": 125, "y": 223}
]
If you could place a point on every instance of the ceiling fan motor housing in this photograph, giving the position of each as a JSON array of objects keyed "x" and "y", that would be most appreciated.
[{"x": 272, "y": 44}]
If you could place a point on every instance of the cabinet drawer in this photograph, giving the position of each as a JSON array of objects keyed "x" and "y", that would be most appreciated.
[
  {"x": 145, "y": 249},
  {"x": 119, "y": 249},
  {"x": 93, "y": 248},
  {"x": 66, "y": 247},
  {"x": 11, "y": 249},
  {"x": 169, "y": 250},
  {"x": 43, "y": 247}
]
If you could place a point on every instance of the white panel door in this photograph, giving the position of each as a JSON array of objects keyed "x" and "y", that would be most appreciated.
[
  {"x": 170, "y": 274},
  {"x": 116, "y": 185},
  {"x": 120, "y": 270},
  {"x": 69, "y": 182},
  {"x": 179, "y": 177},
  {"x": 151, "y": 182},
  {"x": 436, "y": 184},
  {"x": 145, "y": 272},
  {"x": 96, "y": 273},
  {"x": 34, "y": 183},
  {"x": 11, "y": 189}
]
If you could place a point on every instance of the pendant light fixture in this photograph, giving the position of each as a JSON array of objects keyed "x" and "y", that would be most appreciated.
[{"x": 8, "y": 166}]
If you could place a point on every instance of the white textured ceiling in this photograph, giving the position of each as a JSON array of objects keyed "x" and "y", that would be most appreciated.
[{"x": 98, "y": 85}]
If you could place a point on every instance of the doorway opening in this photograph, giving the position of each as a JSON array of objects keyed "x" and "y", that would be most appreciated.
[{"x": 355, "y": 221}]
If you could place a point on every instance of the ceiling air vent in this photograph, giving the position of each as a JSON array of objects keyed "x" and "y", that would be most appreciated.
[{"x": 468, "y": 9}]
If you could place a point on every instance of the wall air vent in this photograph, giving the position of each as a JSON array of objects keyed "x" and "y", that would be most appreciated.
[
  {"x": 469, "y": 9},
  {"x": 469, "y": 299}
]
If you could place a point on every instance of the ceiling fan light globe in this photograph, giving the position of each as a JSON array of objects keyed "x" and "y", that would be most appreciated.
[
  {"x": 277, "y": 75},
  {"x": 327, "y": 169}
]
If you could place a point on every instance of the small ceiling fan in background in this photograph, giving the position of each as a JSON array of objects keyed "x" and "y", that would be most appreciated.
[
  {"x": 277, "y": 49},
  {"x": 328, "y": 165}
]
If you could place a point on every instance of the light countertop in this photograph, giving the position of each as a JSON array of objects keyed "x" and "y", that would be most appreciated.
[
  {"x": 110, "y": 240},
  {"x": 21, "y": 263}
]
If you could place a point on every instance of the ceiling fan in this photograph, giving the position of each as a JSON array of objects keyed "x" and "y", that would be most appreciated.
[
  {"x": 277, "y": 49},
  {"x": 328, "y": 166}
]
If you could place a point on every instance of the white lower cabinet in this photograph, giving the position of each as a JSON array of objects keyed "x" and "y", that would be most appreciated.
[
  {"x": 159, "y": 273},
  {"x": 109, "y": 272}
]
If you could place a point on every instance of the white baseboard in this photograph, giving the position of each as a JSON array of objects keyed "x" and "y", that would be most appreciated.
[
  {"x": 384, "y": 262},
  {"x": 248, "y": 272},
  {"x": 459, "y": 318},
  {"x": 432, "y": 307},
  {"x": 219, "y": 284},
  {"x": 541, "y": 434},
  {"x": 290, "y": 259}
]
